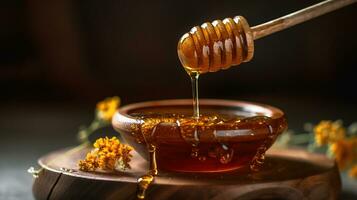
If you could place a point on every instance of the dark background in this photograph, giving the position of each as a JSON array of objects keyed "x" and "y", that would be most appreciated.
[{"x": 57, "y": 58}]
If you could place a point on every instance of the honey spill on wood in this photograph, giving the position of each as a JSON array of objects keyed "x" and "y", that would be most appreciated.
[{"x": 143, "y": 184}]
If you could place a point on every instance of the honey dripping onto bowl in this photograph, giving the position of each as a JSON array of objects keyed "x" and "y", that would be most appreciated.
[{"x": 208, "y": 48}]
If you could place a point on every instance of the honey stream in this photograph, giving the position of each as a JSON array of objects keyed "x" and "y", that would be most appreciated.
[{"x": 194, "y": 82}]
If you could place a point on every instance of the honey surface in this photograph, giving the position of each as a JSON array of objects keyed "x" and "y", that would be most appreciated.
[{"x": 210, "y": 143}]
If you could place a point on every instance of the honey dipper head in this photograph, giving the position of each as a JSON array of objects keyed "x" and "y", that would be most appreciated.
[{"x": 217, "y": 45}]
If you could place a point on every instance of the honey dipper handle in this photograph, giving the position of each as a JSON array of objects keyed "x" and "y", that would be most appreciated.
[{"x": 298, "y": 17}]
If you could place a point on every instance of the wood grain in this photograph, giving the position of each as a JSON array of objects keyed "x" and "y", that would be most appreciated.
[{"x": 287, "y": 174}]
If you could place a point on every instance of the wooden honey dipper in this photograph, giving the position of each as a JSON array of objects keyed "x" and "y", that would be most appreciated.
[{"x": 223, "y": 44}]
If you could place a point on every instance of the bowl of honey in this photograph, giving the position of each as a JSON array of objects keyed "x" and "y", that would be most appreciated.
[{"x": 227, "y": 135}]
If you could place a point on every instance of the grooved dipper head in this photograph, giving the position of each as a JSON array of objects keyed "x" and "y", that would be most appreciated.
[{"x": 217, "y": 45}]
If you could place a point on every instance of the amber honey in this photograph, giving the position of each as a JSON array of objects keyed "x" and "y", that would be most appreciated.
[
  {"x": 217, "y": 141},
  {"x": 227, "y": 135}
]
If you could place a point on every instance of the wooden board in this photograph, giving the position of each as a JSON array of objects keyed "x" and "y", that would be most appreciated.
[{"x": 287, "y": 174}]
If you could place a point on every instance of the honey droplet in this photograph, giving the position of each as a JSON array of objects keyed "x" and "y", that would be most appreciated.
[{"x": 144, "y": 183}]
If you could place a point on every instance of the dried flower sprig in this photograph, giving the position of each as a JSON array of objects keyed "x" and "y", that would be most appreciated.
[
  {"x": 116, "y": 156},
  {"x": 108, "y": 154},
  {"x": 106, "y": 108},
  {"x": 327, "y": 132},
  {"x": 103, "y": 116},
  {"x": 353, "y": 171},
  {"x": 331, "y": 138},
  {"x": 344, "y": 152}
]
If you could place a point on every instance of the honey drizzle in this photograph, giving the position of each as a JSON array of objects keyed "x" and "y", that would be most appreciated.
[
  {"x": 257, "y": 162},
  {"x": 196, "y": 106},
  {"x": 146, "y": 180},
  {"x": 196, "y": 113},
  {"x": 190, "y": 133}
]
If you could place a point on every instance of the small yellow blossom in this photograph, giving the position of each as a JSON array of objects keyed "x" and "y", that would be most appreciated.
[
  {"x": 328, "y": 132},
  {"x": 89, "y": 164},
  {"x": 108, "y": 154},
  {"x": 107, "y": 108},
  {"x": 353, "y": 172},
  {"x": 344, "y": 152}
]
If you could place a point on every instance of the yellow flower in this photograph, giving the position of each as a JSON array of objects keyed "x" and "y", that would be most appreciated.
[
  {"x": 108, "y": 154},
  {"x": 344, "y": 151},
  {"x": 107, "y": 108},
  {"x": 89, "y": 164},
  {"x": 353, "y": 172},
  {"x": 328, "y": 132}
]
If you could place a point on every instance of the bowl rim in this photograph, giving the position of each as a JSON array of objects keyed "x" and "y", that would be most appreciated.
[{"x": 122, "y": 115}]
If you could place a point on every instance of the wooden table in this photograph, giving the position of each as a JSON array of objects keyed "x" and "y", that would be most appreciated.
[{"x": 287, "y": 174}]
